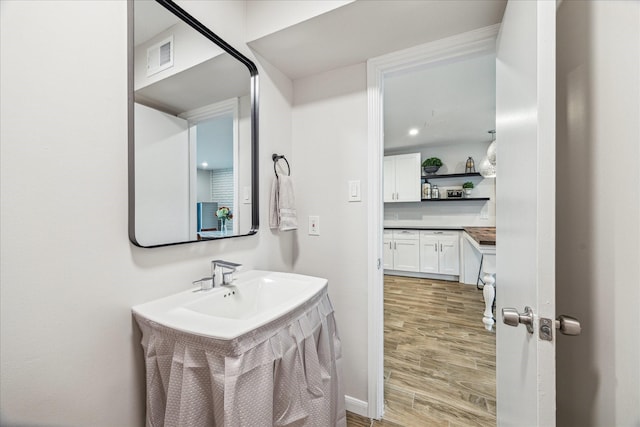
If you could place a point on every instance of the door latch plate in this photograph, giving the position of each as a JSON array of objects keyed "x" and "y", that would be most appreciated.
[{"x": 545, "y": 332}]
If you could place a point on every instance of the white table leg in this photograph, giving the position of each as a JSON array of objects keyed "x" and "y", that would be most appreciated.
[{"x": 489, "y": 293}]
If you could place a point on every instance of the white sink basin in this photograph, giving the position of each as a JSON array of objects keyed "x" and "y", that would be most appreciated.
[{"x": 255, "y": 299}]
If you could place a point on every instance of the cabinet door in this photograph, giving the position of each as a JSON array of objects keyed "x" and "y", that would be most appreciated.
[
  {"x": 407, "y": 255},
  {"x": 389, "y": 179},
  {"x": 429, "y": 250},
  {"x": 387, "y": 252},
  {"x": 408, "y": 177},
  {"x": 449, "y": 255}
]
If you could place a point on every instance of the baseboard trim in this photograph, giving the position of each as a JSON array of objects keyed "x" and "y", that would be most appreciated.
[
  {"x": 447, "y": 277},
  {"x": 357, "y": 406}
]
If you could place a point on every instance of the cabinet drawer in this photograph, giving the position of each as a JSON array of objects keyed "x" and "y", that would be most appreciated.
[
  {"x": 406, "y": 234},
  {"x": 439, "y": 233}
]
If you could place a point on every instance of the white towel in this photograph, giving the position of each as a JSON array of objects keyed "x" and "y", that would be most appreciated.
[
  {"x": 274, "y": 217},
  {"x": 282, "y": 211}
]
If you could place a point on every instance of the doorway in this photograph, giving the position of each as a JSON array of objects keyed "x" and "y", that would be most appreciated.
[{"x": 476, "y": 43}]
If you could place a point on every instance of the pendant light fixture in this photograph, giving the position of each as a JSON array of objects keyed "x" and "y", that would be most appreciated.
[{"x": 488, "y": 164}]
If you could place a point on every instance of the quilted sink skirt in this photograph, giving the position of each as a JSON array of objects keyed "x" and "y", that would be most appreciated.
[{"x": 285, "y": 373}]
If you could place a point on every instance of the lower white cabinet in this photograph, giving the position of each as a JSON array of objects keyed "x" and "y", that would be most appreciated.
[
  {"x": 402, "y": 250},
  {"x": 440, "y": 252}
]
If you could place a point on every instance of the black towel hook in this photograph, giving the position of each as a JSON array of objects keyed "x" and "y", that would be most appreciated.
[{"x": 275, "y": 157}]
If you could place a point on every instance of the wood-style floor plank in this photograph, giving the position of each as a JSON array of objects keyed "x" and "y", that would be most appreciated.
[{"x": 439, "y": 360}]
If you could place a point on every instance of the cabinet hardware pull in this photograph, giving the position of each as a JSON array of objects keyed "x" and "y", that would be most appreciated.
[
  {"x": 440, "y": 247},
  {"x": 435, "y": 247}
]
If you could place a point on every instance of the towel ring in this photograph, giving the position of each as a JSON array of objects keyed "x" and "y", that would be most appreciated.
[{"x": 275, "y": 159}]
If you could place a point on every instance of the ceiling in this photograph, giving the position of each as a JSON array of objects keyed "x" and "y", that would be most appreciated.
[
  {"x": 366, "y": 29},
  {"x": 452, "y": 102},
  {"x": 225, "y": 78}
]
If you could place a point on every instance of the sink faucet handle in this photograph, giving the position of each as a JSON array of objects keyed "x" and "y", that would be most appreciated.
[
  {"x": 227, "y": 277},
  {"x": 205, "y": 284}
]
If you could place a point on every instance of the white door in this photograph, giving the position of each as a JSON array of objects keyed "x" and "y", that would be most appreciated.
[
  {"x": 428, "y": 253},
  {"x": 525, "y": 194},
  {"x": 449, "y": 261},
  {"x": 407, "y": 255}
]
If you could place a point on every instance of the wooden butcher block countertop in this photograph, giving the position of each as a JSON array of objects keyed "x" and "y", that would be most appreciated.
[{"x": 482, "y": 235}]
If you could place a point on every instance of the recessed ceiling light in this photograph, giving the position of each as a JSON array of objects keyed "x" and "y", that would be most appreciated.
[
  {"x": 205, "y": 164},
  {"x": 413, "y": 131}
]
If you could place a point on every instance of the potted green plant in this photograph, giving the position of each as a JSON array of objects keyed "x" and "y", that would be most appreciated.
[
  {"x": 467, "y": 186},
  {"x": 431, "y": 165}
]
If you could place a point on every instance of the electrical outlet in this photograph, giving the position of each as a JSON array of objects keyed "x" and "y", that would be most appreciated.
[
  {"x": 314, "y": 225},
  {"x": 484, "y": 213}
]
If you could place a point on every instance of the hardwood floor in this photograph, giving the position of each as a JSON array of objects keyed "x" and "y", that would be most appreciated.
[{"x": 439, "y": 360}]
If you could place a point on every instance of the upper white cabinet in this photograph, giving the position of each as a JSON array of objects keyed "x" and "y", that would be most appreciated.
[
  {"x": 440, "y": 252},
  {"x": 402, "y": 178}
]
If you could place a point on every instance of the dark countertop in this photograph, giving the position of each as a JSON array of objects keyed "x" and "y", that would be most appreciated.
[
  {"x": 482, "y": 235},
  {"x": 423, "y": 228}
]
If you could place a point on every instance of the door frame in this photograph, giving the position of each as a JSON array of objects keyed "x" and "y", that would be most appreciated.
[
  {"x": 201, "y": 114},
  {"x": 474, "y": 42}
]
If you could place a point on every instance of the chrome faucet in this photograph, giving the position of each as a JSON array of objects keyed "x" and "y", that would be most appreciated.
[
  {"x": 223, "y": 278},
  {"x": 218, "y": 278}
]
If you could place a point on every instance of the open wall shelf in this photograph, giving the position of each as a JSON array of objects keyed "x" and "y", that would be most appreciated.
[
  {"x": 453, "y": 175},
  {"x": 465, "y": 199}
]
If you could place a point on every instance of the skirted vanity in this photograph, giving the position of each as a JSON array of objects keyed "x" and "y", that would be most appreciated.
[{"x": 261, "y": 351}]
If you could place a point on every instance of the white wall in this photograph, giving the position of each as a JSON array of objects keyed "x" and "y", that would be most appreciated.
[
  {"x": 69, "y": 352},
  {"x": 329, "y": 149},
  {"x": 448, "y": 214},
  {"x": 598, "y": 234}
]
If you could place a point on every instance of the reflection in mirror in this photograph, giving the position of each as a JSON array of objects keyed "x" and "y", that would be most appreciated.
[{"x": 193, "y": 131}]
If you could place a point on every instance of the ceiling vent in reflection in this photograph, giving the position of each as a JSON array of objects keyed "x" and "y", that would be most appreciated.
[{"x": 160, "y": 56}]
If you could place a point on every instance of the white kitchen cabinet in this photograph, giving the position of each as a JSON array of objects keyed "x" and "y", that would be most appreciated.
[
  {"x": 402, "y": 250},
  {"x": 387, "y": 250},
  {"x": 440, "y": 252},
  {"x": 402, "y": 178}
]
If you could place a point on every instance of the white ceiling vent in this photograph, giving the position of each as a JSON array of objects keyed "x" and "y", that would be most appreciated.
[{"x": 160, "y": 56}]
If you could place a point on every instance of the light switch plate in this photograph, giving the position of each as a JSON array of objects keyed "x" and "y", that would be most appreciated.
[
  {"x": 354, "y": 191},
  {"x": 314, "y": 225},
  {"x": 246, "y": 195}
]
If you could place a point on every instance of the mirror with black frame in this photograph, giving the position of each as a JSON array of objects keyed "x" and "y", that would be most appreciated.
[{"x": 193, "y": 130}]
